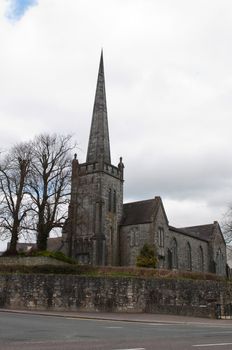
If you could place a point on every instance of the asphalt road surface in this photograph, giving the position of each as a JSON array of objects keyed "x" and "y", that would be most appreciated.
[{"x": 36, "y": 332}]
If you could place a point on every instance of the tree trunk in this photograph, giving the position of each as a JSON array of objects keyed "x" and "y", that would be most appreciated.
[
  {"x": 13, "y": 242},
  {"x": 42, "y": 240}
]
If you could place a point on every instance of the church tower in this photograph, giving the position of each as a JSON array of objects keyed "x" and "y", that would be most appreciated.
[{"x": 92, "y": 230}]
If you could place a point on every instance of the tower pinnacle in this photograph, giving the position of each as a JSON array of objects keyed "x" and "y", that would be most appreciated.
[{"x": 99, "y": 144}]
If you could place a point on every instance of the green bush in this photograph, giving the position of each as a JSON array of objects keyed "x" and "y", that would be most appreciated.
[{"x": 147, "y": 257}]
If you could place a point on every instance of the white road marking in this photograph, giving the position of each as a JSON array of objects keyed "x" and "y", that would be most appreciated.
[
  {"x": 113, "y": 327},
  {"x": 162, "y": 324},
  {"x": 208, "y": 345},
  {"x": 131, "y": 349}
]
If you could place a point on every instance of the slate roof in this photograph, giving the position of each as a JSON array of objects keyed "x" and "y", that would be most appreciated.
[
  {"x": 204, "y": 232},
  {"x": 186, "y": 232},
  {"x": 140, "y": 212}
]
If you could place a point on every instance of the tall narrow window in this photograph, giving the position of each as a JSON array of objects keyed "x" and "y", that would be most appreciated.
[
  {"x": 219, "y": 262},
  {"x": 110, "y": 200},
  {"x": 114, "y": 202},
  {"x": 174, "y": 254},
  {"x": 169, "y": 259},
  {"x": 111, "y": 236},
  {"x": 133, "y": 237},
  {"x": 200, "y": 259},
  {"x": 161, "y": 237},
  {"x": 188, "y": 257}
]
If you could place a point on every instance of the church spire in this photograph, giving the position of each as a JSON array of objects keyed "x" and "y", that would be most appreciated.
[{"x": 99, "y": 144}]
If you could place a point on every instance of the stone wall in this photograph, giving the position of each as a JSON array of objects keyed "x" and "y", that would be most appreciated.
[
  {"x": 94, "y": 188},
  {"x": 195, "y": 244},
  {"x": 133, "y": 237},
  {"x": 79, "y": 293}
]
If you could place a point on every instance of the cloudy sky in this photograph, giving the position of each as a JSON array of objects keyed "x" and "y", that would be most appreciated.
[{"x": 168, "y": 67}]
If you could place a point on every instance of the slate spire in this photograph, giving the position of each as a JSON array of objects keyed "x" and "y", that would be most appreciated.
[{"x": 99, "y": 144}]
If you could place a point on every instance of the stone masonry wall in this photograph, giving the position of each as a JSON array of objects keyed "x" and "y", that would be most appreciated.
[
  {"x": 133, "y": 237},
  {"x": 79, "y": 293},
  {"x": 93, "y": 187},
  {"x": 182, "y": 241}
]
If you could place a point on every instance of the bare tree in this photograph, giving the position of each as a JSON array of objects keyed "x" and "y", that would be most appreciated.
[
  {"x": 49, "y": 184},
  {"x": 14, "y": 170},
  {"x": 227, "y": 225}
]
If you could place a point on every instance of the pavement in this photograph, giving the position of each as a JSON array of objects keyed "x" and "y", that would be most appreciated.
[{"x": 125, "y": 317}]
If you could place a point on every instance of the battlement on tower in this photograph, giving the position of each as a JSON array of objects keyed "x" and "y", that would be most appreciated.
[{"x": 90, "y": 168}]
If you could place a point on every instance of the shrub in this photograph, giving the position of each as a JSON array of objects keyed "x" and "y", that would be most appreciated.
[{"x": 147, "y": 257}]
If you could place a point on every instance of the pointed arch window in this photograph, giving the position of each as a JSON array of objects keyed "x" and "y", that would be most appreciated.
[
  {"x": 188, "y": 257},
  {"x": 219, "y": 262},
  {"x": 161, "y": 237},
  {"x": 134, "y": 237},
  {"x": 114, "y": 202},
  {"x": 174, "y": 254},
  {"x": 200, "y": 259},
  {"x": 111, "y": 235},
  {"x": 110, "y": 200}
]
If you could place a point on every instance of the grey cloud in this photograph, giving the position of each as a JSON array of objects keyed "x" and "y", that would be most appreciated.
[{"x": 169, "y": 83}]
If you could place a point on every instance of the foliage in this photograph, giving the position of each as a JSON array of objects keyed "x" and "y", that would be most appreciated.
[{"x": 147, "y": 257}]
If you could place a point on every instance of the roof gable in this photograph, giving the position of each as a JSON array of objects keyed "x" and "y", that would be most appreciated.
[
  {"x": 189, "y": 233},
  {"x": 141, "y": 212},
  {"x": 204, "y": 232}
]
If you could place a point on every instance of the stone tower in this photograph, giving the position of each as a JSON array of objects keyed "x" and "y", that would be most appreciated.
[{"x": 92, "y": 230}]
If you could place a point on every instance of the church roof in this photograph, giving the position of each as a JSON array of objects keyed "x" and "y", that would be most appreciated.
[
  {"x": 204, "y": 232},
  {"x": 188, "y": 232},
  {"x": 140, "y": 212},
  {"x": 99, "y": 144}
]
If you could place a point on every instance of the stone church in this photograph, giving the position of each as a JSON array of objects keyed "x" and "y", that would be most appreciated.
[{"x": 101, "y": 230}]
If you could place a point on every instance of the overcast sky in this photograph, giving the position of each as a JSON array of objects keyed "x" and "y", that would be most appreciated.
[{"x": 168, "y": 68}]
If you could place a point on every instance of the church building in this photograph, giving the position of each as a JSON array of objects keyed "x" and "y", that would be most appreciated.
[{"x": 101, "y": 230}]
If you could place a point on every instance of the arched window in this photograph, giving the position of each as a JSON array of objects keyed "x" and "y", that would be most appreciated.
[
  {"x": 111, "y": 235},
  {"x": 114, "y": 202},
  {"x": 110, "y": 200},
  {"x": 174, "y": 254},
  {"x": 169, "y": 262},
  {"x": 200, "y": 259},
  {"x": 161, "y": 237},
  {"x": 134, "y": 237},
  {"x": 188, "y": 257},
  {"x": 219, "y": 262}
]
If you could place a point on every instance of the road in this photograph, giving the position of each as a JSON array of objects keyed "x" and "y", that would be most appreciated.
[{"x": 29, "y": 331}]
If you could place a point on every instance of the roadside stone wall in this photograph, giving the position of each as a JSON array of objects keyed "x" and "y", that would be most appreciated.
[{"x": 80, "y": 293}]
